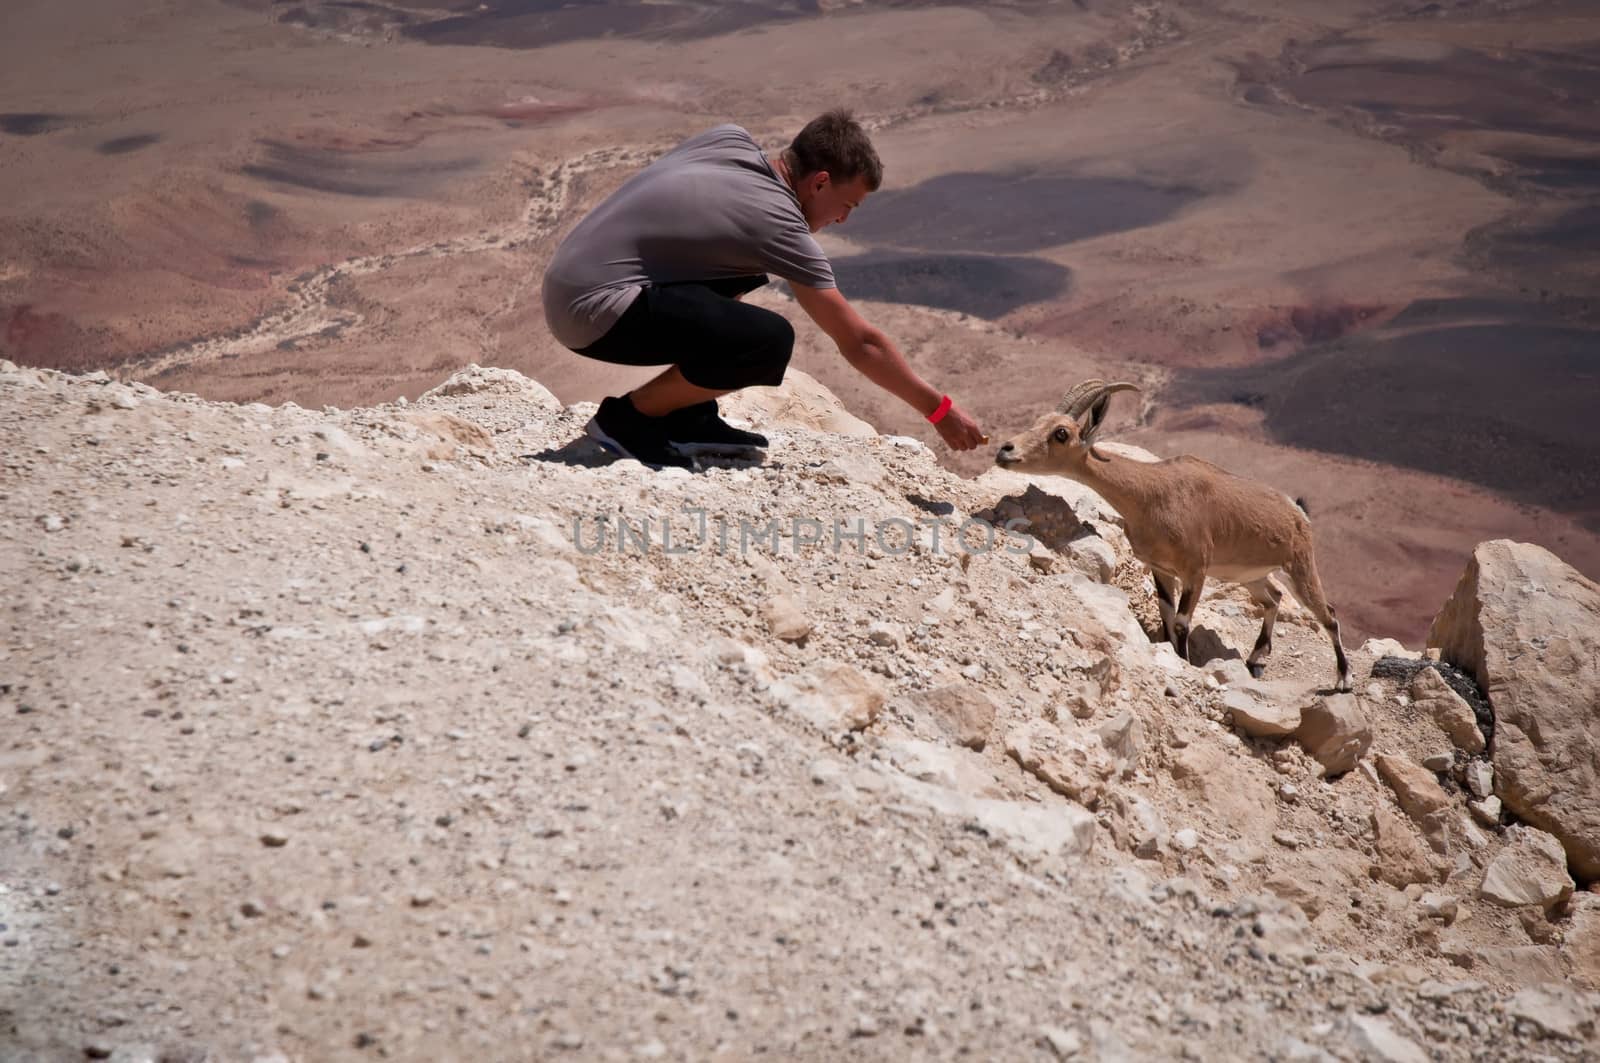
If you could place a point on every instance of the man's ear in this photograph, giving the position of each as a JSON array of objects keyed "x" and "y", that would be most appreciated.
[{"x": 820, "y": 180}]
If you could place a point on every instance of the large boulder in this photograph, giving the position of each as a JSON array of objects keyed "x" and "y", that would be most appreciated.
[
  {"x": 477, "y": 379},
  {"x": 962, "y": 711},
  {"x": 444, "y": 431},
  {"x": 1263, "y": 717},
  {"x": 1433, "y": 697},
  {"x": 1334, "y": 730},
  {"x": 1527, "y": 626},
  {"x": 1415, "y": 787},
  {"x": 1073, "y": 762},
  {"x": 1530, "y": 870},
  {"x": 799, "y": 402},
  {"x": 1397, "y": 857},
  {"x": 832, "y": 695}
]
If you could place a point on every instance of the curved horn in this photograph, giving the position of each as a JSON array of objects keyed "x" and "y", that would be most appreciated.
[
  {"x": 1072, "y": 403},
  {"x": 1080, "y": 399}
]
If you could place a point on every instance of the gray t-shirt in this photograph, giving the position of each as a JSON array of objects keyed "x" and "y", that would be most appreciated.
[{"x": 710, "y": 209}]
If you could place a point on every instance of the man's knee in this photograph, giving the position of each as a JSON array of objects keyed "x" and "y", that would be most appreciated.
[
  {"x": 777, "y": 336},
  {"x": 761, "y": 353},
  {"x": 777, "y": 354},
  {"x": 770, "y": 344}
]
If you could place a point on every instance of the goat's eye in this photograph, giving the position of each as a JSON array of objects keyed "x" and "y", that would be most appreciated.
[{"x": 1061, "y": 435}]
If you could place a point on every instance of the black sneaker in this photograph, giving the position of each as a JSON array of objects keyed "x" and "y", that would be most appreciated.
[
  {"x": 700, "y": 429},
  {"x": 623, "y": 430}
]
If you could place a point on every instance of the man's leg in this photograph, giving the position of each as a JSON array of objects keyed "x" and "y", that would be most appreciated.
[
  {"x": 669, "y": 391},
  {"x": 714, "y": 343},
  {"x": 718, "y": 344}
]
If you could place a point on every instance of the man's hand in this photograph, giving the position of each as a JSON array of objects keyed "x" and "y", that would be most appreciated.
[{"x": 959, "y": 431}]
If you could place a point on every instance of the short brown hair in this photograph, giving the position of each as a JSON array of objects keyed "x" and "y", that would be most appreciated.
[{"x": 835, "y": 142}]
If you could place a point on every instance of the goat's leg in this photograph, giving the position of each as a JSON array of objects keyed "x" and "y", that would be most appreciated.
[
  {"x": 1167, "y": 599},
  {"x": 1302, "y": 573},
  {"x": 1268, "y": 596},
  {"x": 1193, "y": 584}
]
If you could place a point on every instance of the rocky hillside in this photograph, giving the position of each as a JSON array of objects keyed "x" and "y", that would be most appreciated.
[{"x": 428, "y": 731}]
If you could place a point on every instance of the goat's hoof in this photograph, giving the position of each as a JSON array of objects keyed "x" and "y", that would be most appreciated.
[
  {"x": 1343, "y": 687},
  {"x": 1256, "y": 670}
]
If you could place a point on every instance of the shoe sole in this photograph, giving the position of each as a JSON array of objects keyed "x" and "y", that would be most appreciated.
[
  {"x": 717, "y": 450},
  {"x": 598, "y": 434}
]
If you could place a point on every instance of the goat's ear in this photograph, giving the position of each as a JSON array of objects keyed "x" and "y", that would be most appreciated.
[
  {"x": 1088, "y": 402},
  {"x": 1094, "y": 418}
]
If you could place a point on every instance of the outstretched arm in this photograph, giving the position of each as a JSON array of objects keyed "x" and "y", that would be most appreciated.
[{"x": 877, "y": 358}]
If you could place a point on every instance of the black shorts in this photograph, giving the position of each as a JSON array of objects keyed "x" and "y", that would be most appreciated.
[{"x": 717, "y": 342}]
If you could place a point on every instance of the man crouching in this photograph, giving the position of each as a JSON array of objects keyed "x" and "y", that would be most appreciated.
[{"x": 655, "y": 275}]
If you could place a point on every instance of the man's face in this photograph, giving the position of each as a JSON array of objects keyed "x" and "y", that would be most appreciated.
[{"x": 826, "y": 201}]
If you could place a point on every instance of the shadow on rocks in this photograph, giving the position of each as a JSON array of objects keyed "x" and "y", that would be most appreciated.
[
  {"x": 581, "y": 451},
  {"x": 931, "y": 506},
  {"x": 585, "y": 453},
  {"x": 1205, "y": 645}
]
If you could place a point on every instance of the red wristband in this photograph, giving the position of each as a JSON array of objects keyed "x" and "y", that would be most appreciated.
[{"x": 944, "y": 407}]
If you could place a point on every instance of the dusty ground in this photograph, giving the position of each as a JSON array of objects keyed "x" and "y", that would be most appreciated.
[{"x": 335, "y": 735}]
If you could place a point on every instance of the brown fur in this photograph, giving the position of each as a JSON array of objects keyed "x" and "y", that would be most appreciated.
[{"x": 1187, "y": 519}]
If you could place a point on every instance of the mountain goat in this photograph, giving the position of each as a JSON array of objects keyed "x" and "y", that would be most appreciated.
[{"x": 1186, "y": 519}]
